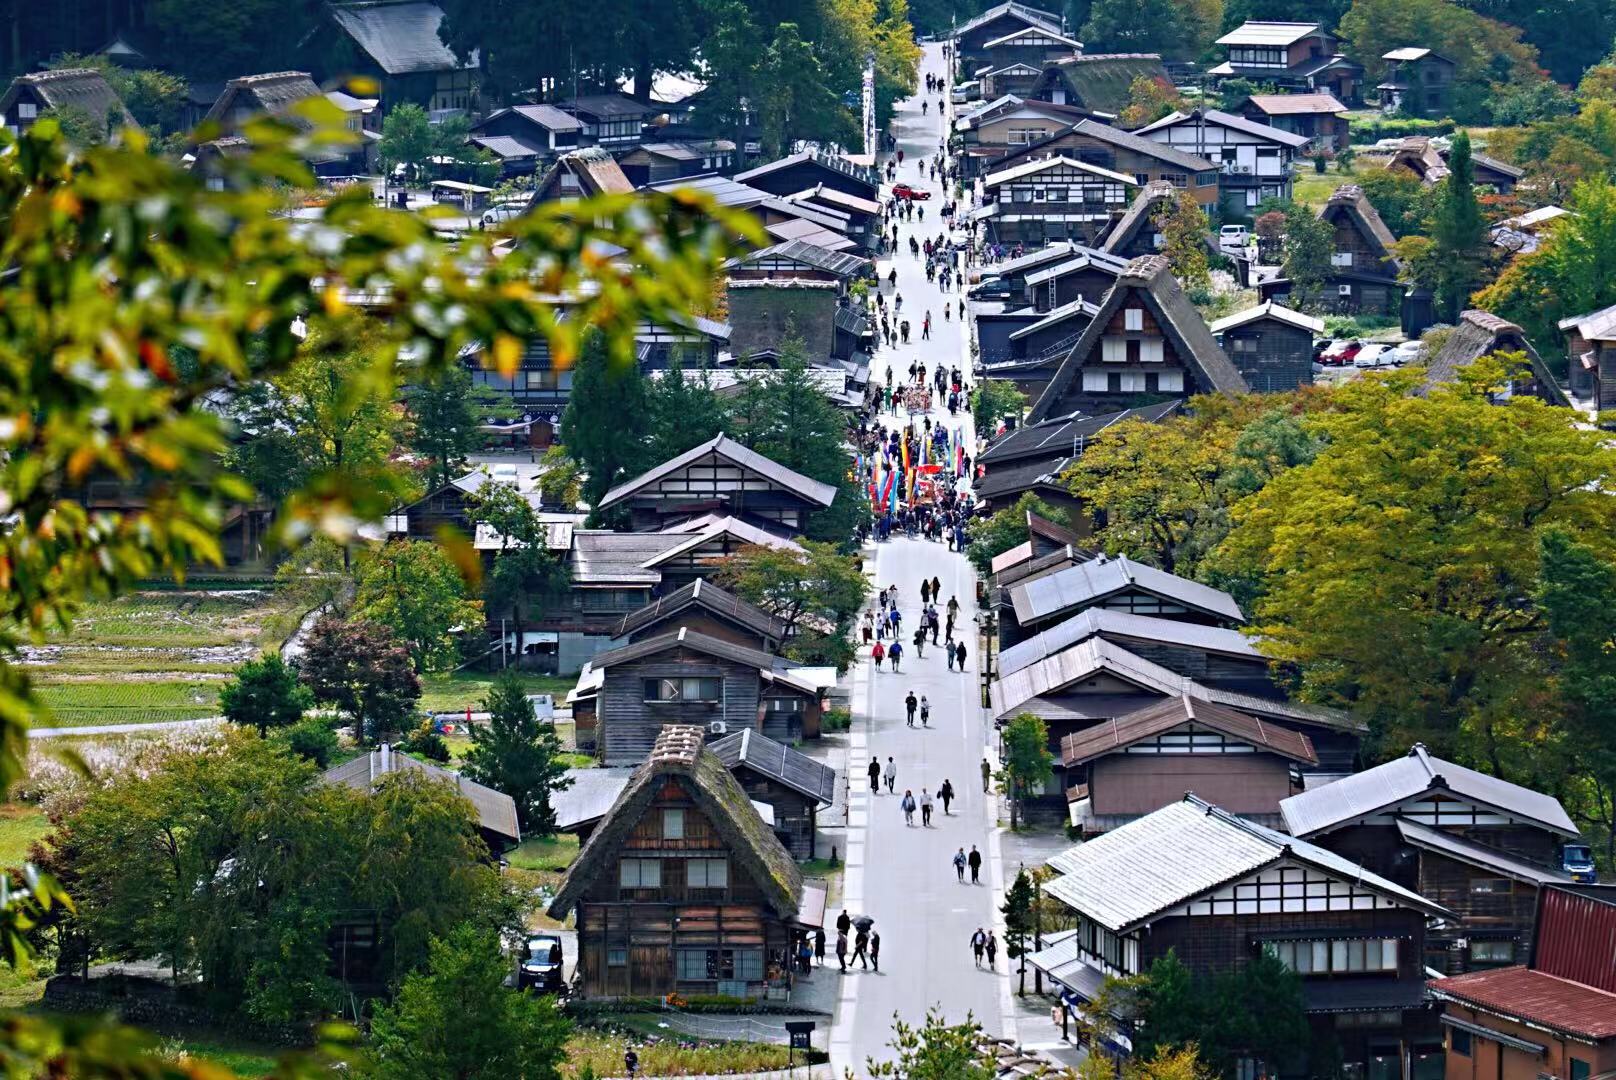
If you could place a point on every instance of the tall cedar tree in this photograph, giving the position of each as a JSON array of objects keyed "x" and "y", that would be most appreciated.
[
  {"x": 1459, "y": 232},
  {"x": 685, "y": 412},
  {"x": 455, "y": 1018},
  {"x": 516, "y": 754},
  {"x": 607, "y": 422},
  {"x": 524, "y": 573},
  {"x": 446, "y": 416},
  {"x": 361, "y": 669},
  {"x": 1018, "y": 921},
  {"x": 265, "y": 694}
]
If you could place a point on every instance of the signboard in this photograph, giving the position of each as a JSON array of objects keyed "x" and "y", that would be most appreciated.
[{"x": 869, "y": 106}]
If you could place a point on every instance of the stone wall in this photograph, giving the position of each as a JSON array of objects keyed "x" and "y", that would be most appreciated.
[{"x": 149, "y": 1004}]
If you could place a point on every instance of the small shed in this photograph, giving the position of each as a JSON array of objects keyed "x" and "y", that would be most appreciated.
[
  {"x": 1271, "y": 345},
  {"x": 791, "y": 782}
]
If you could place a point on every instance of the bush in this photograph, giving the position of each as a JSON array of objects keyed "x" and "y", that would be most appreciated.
[
  {"x": 1373, "y": 129},
  {"x": 313, "y": 740},
  {"x": 424, "y": 742},
  {"x": 1356, "y": 326},
  {"x": 836, "y": 720}
]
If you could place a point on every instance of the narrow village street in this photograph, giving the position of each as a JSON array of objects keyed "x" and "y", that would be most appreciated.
[{"x": 901, "y": 875}]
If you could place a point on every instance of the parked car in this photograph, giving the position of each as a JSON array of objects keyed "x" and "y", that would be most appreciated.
[
  {"x": 1319, "y": 346},
  {"x": 904, "y": 191},
  {"x": 966, "y": 91},
  {"x": 1406, "y": 352},
  {"x": 1340, "y": 353},
  {"x": 540, "y": 967},
  {"x": 994, "y": 288},
  {"x": 1232, "y": 238},
  {"x": 496, "y": 215},
  {"x": 1373, "y": 355}
]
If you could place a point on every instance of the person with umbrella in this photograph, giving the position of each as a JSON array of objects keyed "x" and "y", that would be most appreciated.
[{"x": 861, "y": 946}]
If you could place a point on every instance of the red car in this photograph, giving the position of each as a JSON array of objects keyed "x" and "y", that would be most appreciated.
[{"x": 904, "y": 191}]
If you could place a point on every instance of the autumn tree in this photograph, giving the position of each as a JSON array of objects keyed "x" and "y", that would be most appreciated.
[
  {"x": 361, "y": 669},
  {"x": 412, "y": 588},
  {"x": 1183, "y": 226},
  {"x": 1149, "y": 99},
  {"x": 815, "y": 591}
]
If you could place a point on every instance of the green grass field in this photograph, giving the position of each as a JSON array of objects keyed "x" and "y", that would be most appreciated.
[
  {"x": 463, "y": 690},
  {"x": 20, "y": 826},
  {"x": 81, "y": 703}
]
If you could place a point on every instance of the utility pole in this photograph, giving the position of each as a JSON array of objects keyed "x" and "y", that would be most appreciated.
[{"x": 1037, "y": 931}]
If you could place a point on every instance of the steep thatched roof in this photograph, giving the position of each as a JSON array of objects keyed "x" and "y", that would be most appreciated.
[
  {"x": 1100, "y": 81},
  {"x": 679, "y": 754},
  {"x": 1481, "y": 333},
  {"x": 1349, "y": 201},
  {"x": 81, "y": 88},
  {"x": 594, "y": 169},
  {"x": 1155, "y": 194},
  {"x": 1150, "y": 279}
]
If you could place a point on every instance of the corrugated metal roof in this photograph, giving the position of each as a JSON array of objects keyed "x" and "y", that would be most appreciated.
[
  {"x": 1254, "y": 32},
  {"x": 1536, "y": 998},
  {"x": 727, "y": 448},
  {"x": 1090, "y": 582},
  {"x": 1165, "y": 715},
  {"x": 1269, "y": 310},
  {"x": 1410, "y": 53},
  {"x": 1030, "y": 15},
  {"x": 715, "y": 525},
  {"x": 701, "y": 593},
  {"x": 1087, "y": 624},
  {"x": 1117, "y": 879},
  {"x": 1417, "y": 772},
  {"x": 602, "y": 557},
  {"x": 1468, "y": 851},
  {"x": 400, "y": 35},
  {"x": 496, "y": 811},
  {"x": 1062, "y": 432},
  {"x": 588, "y": 797},
  {"x": 832, "y": 262},
  {"x": 777, "y": 761}
]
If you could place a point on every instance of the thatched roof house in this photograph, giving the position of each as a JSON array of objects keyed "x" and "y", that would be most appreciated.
[
  {"x": 275, "y": 93},
  {"x": 66, "y": 89},
  {"x": 1123, "y": 238},
  {"x": 1481, "y": 333}
]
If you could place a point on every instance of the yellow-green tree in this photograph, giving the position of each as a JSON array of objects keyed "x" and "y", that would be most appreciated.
[
  {"x": 1395, "y": 569},
  {"x": 1183, "y": 225}
]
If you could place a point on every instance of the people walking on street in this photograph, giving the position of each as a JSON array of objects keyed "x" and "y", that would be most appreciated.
[
  {"x": 861, "y": 945},
  {"x": 920, "y": 644},
  {"x": 959, "y": 656},
  {"x": 841, "y": 949},
  {"x": 819, "y": 945},
  {"x": 948, "y": 654},
  {"x": 979, "y": 944},
  {"x": 875, "y": 780},
  {"x": 844, "y": 922},
  {"x": 908, "y": 805},
  {"x": 879, "y": 653},
  {"x": 959, "y": 865},
  {"x": 974, "y": 861},
  {"x": 946, "y": 793},
  {"x": 910, "y": 703},
  {"x": 925, "y": 711},
  {"x": 925, "y": 593},
  {"x": 875, "y": 950},
  {"x": 925, "y": 808},
  {"x": 993, "y": 949},
  {"x": 987, "y": 773},
  {"x": 896, "y": 653},
  {"x": 891, "y": 775}
]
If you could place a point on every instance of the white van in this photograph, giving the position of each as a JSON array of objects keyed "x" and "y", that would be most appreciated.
[
  {"x": 1233, "y": 238},
  {"x": 966, "y": 92}
]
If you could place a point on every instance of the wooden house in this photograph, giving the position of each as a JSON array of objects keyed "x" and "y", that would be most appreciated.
[
  {"x": 655, "y": 162},
  {"x": 1044, "y": 537},
  {"x": 683, "y": 888},
  {"x": 580, "y": 174},
  {"x": 792, "y": 784},
  {"x": 1363, "y": 268},
  {"x": 32, "y": 95},
  {"x": 971, "y": 38},
  {"x": 396, "y": 44},
  {"x": 798, "y": 260},
  {"x": 1086, "y": 275},
  {"x": 720, "y": 474},
  {"x": 277, "y": 93},
  {"x": 1002, "y": 126},
  {"x": 1097, "y": 82},
  {"x": 1031, "y": 350},
  {"x": 707, "y": 609},
  {"x": 1318, "y": 116},
  {"x": 1146, "y": 344},
  {"x": 1219, "y": 890},
  {"x": 1416, "y": 154},
  {"x": 495, "y": 811},
  {"x": 704, "y": 543},
  {"x": 1127, "y": 767},
  {"x": 1298, "y": 57},
  {"x": 1551, "y": 1017},
  {"x": 1416, "y": 82},
  {"x": 1479, "y": 845},
  {"x": 1254, "y": 160},
  {"x": 524, "y": 137},
  {"x": 273, "y": 93},
  {"x": 1052, "y": 198},
  {"x": 810, "y": 169},
  {"x": 1030, "y": 46},
  {"x": 1125, "y": 152},
  {"x": 1271, "y": 346},
  {"x": 1591, "y": 343},
  {"x": 1015, "y": 79},
  {"x": 1032, "y": 457},
  {"x": 1134, "y": 234},
  {"x": 1481, "y": 333},
  {"x": 1009, "y": 278},
  {"x": 612, "y": 121}
]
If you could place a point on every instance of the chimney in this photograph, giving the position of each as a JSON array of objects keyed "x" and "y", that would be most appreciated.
[{"x": 387, "y": 759}]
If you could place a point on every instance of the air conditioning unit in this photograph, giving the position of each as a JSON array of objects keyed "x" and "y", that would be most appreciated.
[
  {"x": 717, "y": 727},
  {"x": 1242, "y": 168}
]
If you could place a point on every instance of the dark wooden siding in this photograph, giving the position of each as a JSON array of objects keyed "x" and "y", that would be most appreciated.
[
  {"x": 629, "y": 724},
  {"x": 1140, "y": 783},
  {"x": 1273, "y": 356}
]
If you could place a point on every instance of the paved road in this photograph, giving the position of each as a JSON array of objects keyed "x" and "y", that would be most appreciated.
[{"x": 899, "y": 875}]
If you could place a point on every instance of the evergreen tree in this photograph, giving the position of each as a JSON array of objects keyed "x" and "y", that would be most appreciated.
[
  {"x": 447, "y": 413},
  {"x": 264, "y": 695},
  {"x": 685, "y": 412},
  {"x": 516, "y": 754},
  {"x": 1018, "y": 921},
  {"x": 607, "y": 422},
  {"x": 1027, "y": 760},
  {"x": 1309, "y": 243},
  {"x": 524, "y": 572},
  {"x": 1459, "y": 233}
]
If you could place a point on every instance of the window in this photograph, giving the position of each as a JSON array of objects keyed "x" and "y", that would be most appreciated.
[
  {"x": 1133, "y": 318},
  {"x": 1336, "y": 957},
  {"x": 1341, "y": 258},
  {"x": 1157, "y": 240},
  {"x": 639, "y": 873},
  {"x": 1492, "y": 952},
  {"x": 1458, "y": 1042},
  {"x": 1172, "y": 381},
  {"x": 1486, "y": 886},
  {"x": 673, "y": 824},
  {"x": 1580, "y": 1069},
  {"x": 783, "y": 704},
  {"x": 1133, "y": 381},
  {"x": 27, "y": 110},
  {"x": 1113, "y": 350},
  {"x": 707, "y": 873},
  {"x": 616, "y": 957},
  {"x": 1056, "y": 194},
  {"x": 1094, "y": 381},
  {"x": 699, "y": 689},
  {"x": 711, "y": 965},
  {"x": 1150, "y": 351},
  {"x": 1244, "y": 344}
]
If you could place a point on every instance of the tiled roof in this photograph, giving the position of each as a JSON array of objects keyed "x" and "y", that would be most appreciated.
[
  {"x": 1298, "y": 104},
  {"x": 1417, "y": 772},
  {"x": 704, "y": 594},
  {"x": 1537, "y": 998}
]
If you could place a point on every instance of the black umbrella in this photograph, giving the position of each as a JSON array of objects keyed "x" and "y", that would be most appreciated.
[{"x": 863, "y": 922}]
